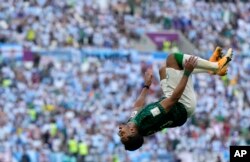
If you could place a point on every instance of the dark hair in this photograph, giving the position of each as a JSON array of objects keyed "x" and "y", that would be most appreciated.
[{"x": 134, "y": 142}]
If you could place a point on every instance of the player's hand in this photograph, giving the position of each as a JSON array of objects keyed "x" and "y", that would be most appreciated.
[
  {"x": 190, "y": 64},
  {"x": 148, "y": 77}
]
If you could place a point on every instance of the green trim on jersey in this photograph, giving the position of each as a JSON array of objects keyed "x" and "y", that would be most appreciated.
[
  {"x": 179, "y": 59},
  {"x": 153, "y": 117}
]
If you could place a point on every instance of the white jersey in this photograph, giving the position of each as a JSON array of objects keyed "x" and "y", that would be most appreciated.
[{"x": 188, "y": 98}]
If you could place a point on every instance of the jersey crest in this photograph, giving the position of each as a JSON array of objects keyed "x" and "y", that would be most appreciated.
[
  {"x": 155, "y": 111},
  {"x": 133, "y": 114}
]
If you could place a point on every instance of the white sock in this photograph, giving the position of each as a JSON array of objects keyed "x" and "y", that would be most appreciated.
[
  {"x": 202, "y": 64},
  {"x": 196, "y": 71}
]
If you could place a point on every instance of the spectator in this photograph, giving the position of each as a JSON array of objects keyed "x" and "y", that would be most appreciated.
[{"x": 44, "y": 107}]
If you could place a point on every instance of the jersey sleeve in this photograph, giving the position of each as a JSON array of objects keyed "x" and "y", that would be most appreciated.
[{"x": 133, "y": 114}]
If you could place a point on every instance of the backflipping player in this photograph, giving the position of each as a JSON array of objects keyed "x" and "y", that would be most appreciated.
[{"x": 179, "y": 100}]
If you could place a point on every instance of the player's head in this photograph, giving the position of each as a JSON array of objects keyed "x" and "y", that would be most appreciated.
[{"x": 130, "y": 137}]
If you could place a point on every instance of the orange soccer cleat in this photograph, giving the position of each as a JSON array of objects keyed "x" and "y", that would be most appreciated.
[
  {"x": 217, "y": 55},
  {"x": 224, "y": 62}
]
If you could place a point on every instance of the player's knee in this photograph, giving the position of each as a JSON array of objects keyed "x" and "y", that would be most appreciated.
[
  {"x": 171, "y": 56},
  {"x": 162, "y": 72},
  {"x": 170, "y": 60},
  {"x": 172, "y": 63}
]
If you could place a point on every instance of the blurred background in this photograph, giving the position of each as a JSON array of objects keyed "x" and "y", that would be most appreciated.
[{"x": 71, "y": 69}]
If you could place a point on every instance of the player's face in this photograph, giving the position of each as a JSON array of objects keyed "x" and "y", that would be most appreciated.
[{"x": 125, "y": 131}]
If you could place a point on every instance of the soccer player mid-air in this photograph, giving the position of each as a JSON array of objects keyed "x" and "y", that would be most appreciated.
[{"x": 179, "y": 99}]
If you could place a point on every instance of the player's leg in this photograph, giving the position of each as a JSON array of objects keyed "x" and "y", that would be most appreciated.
[
  {"x": 216, "y": 56},
  {"x": 177, "y": 60},
  {"x": 196, "y": 71},
  {"x": 172, "y": 63},
  {"x": 201, "y": 63},
  {"x": 219, "y": 67}
]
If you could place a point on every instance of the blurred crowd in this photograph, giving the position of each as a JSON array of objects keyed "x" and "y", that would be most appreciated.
[
  {"x": 61, "y": 111},
  {"x": 207, "y": 24},
  {"x": 113, "y": 23},
  {"x": 52, "y": 24}
]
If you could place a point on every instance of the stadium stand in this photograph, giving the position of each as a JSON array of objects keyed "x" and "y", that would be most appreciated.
[{"x": 67, "y": 111}]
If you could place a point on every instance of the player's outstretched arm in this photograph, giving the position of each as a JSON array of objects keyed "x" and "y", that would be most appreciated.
[
  {"x": 139, "y": 103},
  {"x": 189, "y": 66}
]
